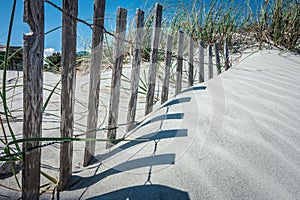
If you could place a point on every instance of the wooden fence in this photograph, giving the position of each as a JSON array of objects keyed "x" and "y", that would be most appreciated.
[{"x": 33, "y": 80}]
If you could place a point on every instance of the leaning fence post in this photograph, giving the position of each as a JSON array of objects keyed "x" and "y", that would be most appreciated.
[
  {"x": 116, "y": 75},
  {"x": 218, "y": 64},
  {"x": 201, "y": 60},
  {"x": 68, "y": 78},
  {"x": 135, "y": 72},
  {"x": 191, "y": 62},
  {"x": 165, "y": 87},
  {"x": 226, "y": 54},
  {"x": 210, "y": 62},
  {"x": 94, "y": 90},
  {"x": 33, "y": 96},
  {"x": 179, "y": 62},
  {"x": 153, "y": 58}
]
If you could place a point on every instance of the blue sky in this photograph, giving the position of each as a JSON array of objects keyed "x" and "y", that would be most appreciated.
[{"x": 53, "y": 20}]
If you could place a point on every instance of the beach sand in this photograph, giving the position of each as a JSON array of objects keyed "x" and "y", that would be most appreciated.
[{"x": 235, "y": 136}]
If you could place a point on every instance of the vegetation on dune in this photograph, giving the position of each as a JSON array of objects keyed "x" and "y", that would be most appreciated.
[
  {"x": 275, "y": 22},
  {"x": 244, "y": 23},
  {"x": 53, "y": 62}
]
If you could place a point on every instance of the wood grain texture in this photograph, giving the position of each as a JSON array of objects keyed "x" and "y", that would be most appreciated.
[
  {"x": 201, "y": 60},
  {"x": 68, "y": 78},
  {"x": 116, "y": 75},
  {"x": 33, "y": 52},
  {"x": 191, "y": 62},
  {"x": 94, "y": 89},
  {"x": 210, "y": 62},
  {"x": 153, "y": 58},
  {"x": 179, "y": 62},
  {"x": 168, "y": 59},
  {"x": 135, "y": 72},
  {"x": 226, "y": 54},
  {"x": 218, "y": 63}
]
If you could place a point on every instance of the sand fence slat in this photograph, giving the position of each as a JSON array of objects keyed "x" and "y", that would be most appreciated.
[
  {"x": 135, "y": 72},
  {"x": 218, "y": 63},
  {"x": 94, "y": 88},
  {"x": 210, "y": 62},
  {"x": 116, "y": 75},
  {"x": 191, "y": 62},
  {"x": 180, "y": 47},
  {"x": 201, "y": 60},
  {"x": 68, "y": 79},
  {"x": 153, "y": 58},
  {"x": 226, "y": 54},
  {"x": 33, "y": 96},
  {"x": 168, "y": 59}
]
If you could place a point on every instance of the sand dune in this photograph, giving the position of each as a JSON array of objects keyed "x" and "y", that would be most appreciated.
[{"x": 234, "y": 137}]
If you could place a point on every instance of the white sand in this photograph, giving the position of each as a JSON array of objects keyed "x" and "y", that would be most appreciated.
[{"x": 238, "y": 138}]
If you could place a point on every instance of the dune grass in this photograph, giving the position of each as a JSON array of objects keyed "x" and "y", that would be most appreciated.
[{"x": 274, "y": 22}]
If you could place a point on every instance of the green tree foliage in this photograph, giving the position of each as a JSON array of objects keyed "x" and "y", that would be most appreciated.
[{"x": 53, "y": 62}]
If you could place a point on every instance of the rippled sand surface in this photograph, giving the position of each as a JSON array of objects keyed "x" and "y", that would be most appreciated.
[{"x": 235, "y": 137}]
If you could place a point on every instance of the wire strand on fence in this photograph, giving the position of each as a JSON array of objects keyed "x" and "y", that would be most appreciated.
[
  {"x": 84, "y": 22},
  {"x": 90, "y": 25}
]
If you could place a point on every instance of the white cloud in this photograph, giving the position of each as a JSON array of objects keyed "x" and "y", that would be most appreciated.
[{"x": 48, "y": 52}]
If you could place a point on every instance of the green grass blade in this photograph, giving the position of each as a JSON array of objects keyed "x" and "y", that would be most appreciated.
[
  {"x": 50, "y": 95},
  {"x": 4, "y": 73},
  {"x": 53, "y": 180}
]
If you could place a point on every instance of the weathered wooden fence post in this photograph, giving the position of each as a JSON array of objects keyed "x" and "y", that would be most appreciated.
[
  {"x": 218, "y": 64},
  {"x": 153, "y": 58},
  {"x": 201, "y": 60},
  {"x": 210, "y": 62},
  {"x": 179, "y": 62},
  {"x": 191, "y": 62},
  {"x": 94, "y": 90},
  {"x": 165, "y": 87},
  {"x": 135, "y": 72},
  {"x": 226, "y": 54},
  {"x": 116, "y": 75},
  {"x": 33, "y": 96},
  {"x": 68, "y": 78}
]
